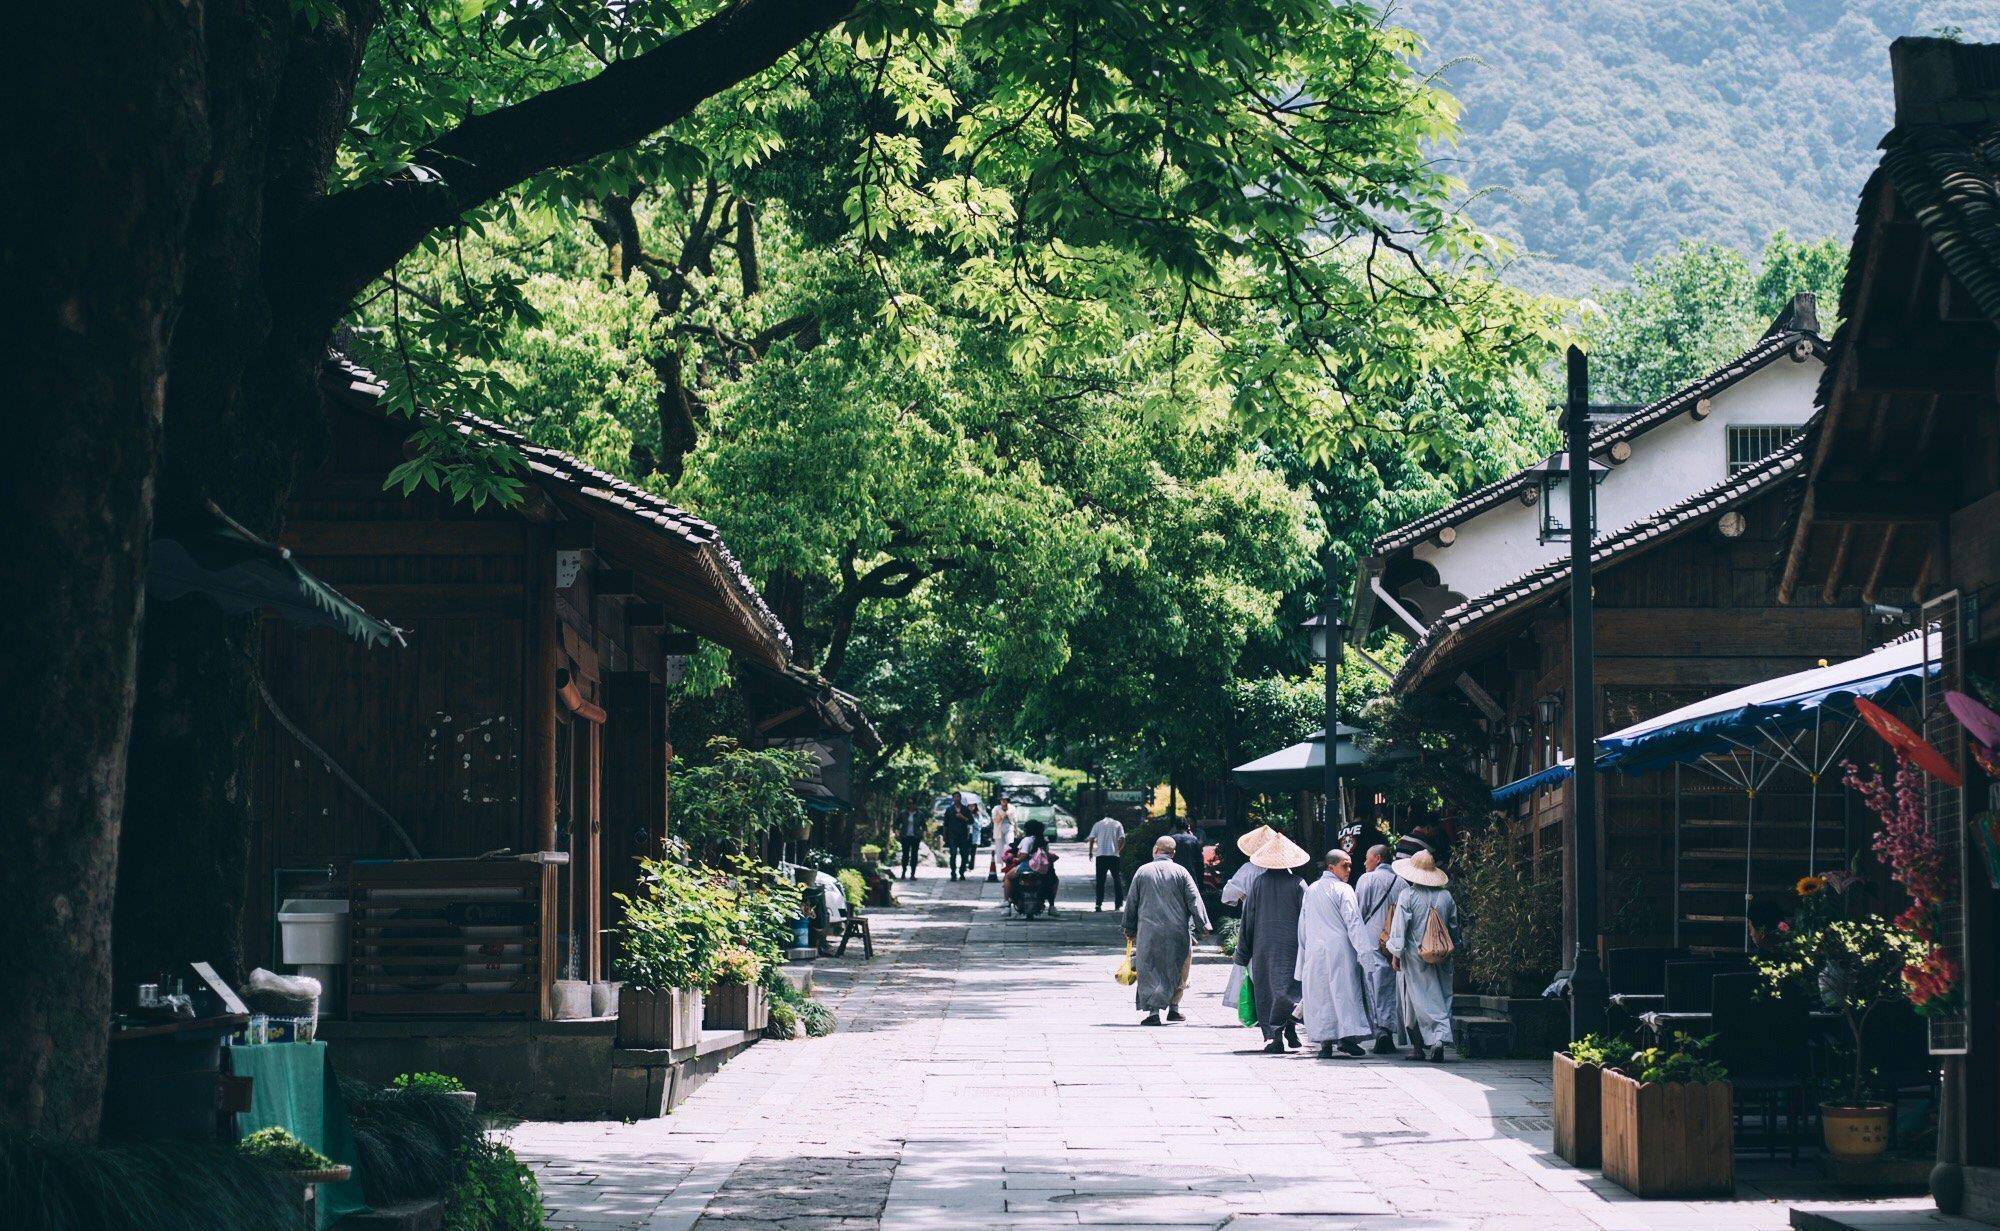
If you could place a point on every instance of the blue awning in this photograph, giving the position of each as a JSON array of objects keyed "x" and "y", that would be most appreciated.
[{"x": 1741, "y": 717}]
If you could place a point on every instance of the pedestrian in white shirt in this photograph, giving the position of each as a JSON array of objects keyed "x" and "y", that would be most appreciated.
[
  {"x": 1107, "y": 840},
  {"x": 1003, "y": 834}
]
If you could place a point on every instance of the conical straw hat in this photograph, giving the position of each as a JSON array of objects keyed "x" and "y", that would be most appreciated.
[
  {"x": 1257, "y": 837},
  {"x": 1421, "y": 869},
  {"x": 1278, "y": 851}
]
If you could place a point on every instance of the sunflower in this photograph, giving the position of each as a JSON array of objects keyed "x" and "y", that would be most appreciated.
[{"x": 1809, "y": 885}]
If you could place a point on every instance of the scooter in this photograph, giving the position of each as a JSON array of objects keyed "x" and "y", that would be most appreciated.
[{"x": 1034, "y": 892}]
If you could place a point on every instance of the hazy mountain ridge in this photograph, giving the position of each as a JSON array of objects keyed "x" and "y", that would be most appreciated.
[{"x": 1601, "y": 132}]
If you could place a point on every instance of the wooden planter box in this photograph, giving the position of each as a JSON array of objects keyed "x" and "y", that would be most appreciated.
[
  {"x": 652, "y": 1020},
  {"x": 736, "y": 1006},
  {"x": 1664, "y": 1140},
  {"x": 1578, "y": 1128}
]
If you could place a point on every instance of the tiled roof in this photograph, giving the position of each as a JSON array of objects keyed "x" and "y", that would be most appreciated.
[
  {"x": 1768, "y": 349},
  {"x": 607, "y": 491},
  {"x": 1786, "y": 464},
  {"x": 1948, "y": 178}
]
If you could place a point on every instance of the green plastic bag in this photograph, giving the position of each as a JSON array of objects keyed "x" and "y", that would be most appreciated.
[{"x": 1246, "y": 1005}]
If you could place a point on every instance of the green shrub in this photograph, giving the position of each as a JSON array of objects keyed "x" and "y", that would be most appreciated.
[
  {"x": 443, "y": 1083},
  {"x": 138, "y": 1186},
  {"x": 407, "y": 1142},
  {"x": 817, "y": 1019},
  {"x": 854, "y": 887},
  {"x": 871, "y": 853},
  {"x": 495, "y": 1192},
  {"x": 1513, "y": 921},
  {"x": 276, "y": 1147},
  {"x": 1680, "y": 1061},
  {"x": 675, "y": 926},
  {"x": 1602, "y": 1050},
  {"x": 738, "y": 966},
  {"x": 1226, "y": 936},
  {"x": 784, "y": 1022}
]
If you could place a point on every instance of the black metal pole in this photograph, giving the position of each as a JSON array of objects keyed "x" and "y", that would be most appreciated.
[
  {"x": 1587, "y": 988},
  {"x": 1330, "y": 807}
]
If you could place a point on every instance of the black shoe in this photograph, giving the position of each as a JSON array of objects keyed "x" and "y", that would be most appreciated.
[
  {"x": 1275, "y": 1046},
  {"x": 1326, "y": 1051},
  {"x": 1348, "y": 1047},
  {"x": 1175, "y": 1015},
  {"x": 1151, "y": 1019},
  {"x": 1437, "y": 1055},
  {"x": 1417, "y": 1053},
  {"x": 1385, "y": 1046},
  {"x": 1292, "y": 1036}
]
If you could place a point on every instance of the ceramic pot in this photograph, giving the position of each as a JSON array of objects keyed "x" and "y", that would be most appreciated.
[{"x": 1855, "y": 1134}]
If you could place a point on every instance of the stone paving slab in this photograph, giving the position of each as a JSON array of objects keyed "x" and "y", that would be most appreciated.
[{"x": 990, "y": 1074}]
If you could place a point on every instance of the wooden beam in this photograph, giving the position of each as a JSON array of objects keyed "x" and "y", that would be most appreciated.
[
  {"x": 1868, "y": 587},
  {"x": 573, "y": 534},
  {"x": 441, "y": 600},
  {"x": 1795, "y": 552},
  {"x": 613, "y": 582},
  {"x": 1875, "y": 504},
  {"x": 645, "y": 615},
  {"x": 1841, "y": 545},
  {"x": 1925, "y": 369},
  {"x": 1924, "y": 571},
  {"x": 424, "y": 537}
]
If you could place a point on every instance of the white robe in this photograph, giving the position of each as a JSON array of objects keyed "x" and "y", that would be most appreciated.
[
  {"x": 1335, "y": 1003},
  {"x": 1374, "y": 894}
]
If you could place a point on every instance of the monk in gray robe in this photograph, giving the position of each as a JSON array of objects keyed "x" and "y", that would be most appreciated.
[
  {"x": 1268, "y": 946},
  {"x": 1162, "y": 909},
  {"x": 1425, "y": 987},
  {"x": 1374, "y": 893}
]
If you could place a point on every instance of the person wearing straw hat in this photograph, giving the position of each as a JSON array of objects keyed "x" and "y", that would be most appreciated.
[
  {"x": 1423, "y": 935},
  {"x": 1268, "y": 945},
  {"x": 1333, "y": 999},
  {"x": 1162, "y": 911},
  {"x": 1238, "y": 886}
]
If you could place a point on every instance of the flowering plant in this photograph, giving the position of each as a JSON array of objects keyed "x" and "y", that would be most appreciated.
[
  {"x": 1853, "y": 966},
  {"x": 1910, "y": 850}
]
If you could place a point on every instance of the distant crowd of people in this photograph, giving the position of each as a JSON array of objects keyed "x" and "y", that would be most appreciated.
[{"x": 1347, "y": 962}]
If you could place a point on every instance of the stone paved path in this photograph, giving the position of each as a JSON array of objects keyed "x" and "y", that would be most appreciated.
[{"x": 991, "y": 1074}]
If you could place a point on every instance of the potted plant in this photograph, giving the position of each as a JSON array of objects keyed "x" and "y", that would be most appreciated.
[
  {"x": 1665, "y": 1128},
  {"x": 1577, "y": 1094},
  {"x": 672, "y": 931},
  {"x": 277, "y": 1149},
  {"x": 735, "y": 1001},
  {"x": 1853, "y": 967},
  {"x": 438, "y": 1083}
]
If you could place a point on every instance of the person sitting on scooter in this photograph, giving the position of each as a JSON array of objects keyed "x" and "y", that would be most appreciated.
[{"x": 1032, "y": 839}]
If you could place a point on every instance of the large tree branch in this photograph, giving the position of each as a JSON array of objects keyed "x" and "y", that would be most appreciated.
[{"x": 346, "y": 240}]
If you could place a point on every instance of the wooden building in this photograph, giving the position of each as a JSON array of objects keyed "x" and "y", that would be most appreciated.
[
  {"x": 1902, "y": 505},
  {"x": 1686, "y": 608},
  {"x": 478, "y": 796}
]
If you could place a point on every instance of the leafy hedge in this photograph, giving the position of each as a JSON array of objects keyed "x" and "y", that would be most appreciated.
[{"x": 138, "y": 1186}]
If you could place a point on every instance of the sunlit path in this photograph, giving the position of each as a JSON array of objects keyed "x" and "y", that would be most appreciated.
[{"x": 989, "y": 1073}]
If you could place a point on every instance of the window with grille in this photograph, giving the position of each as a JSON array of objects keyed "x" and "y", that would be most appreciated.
[{"x": 1750, "y": 445}]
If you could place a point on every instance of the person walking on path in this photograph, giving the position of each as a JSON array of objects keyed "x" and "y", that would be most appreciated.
[
  {"x": 1268, "y": 945},
  {"x": 1331, "y": 940},
  {"x": 1187, "y": 849},
  {"x": 910, "y": 827},
  {"x": 1162, "y": 911},
  {"x": 1003, "y": 834},
  {"x": 1422, "y": 939},
  {"x": 1237, "y": 887},
  {"x": 956, "y": 818},
  {"x": 1107, "y": 842},
  {"x": 1374, "y": 894}
]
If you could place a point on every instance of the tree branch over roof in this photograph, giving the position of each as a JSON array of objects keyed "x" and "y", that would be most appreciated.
[{"x": 352, "y": 237}]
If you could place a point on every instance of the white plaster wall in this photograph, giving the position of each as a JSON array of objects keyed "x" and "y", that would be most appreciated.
[{"x": 1668, "y": 464}]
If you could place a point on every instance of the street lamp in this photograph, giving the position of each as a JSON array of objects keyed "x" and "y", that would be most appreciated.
[
  {"x": 1325, "y": 633},
  {"x": 1552, "y": 478}
]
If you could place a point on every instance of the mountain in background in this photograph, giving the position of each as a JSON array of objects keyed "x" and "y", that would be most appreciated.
[{"x": 1603, "y": 132}]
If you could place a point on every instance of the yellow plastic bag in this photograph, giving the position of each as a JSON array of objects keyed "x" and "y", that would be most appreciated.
[{"x": 1125, "y": 974}]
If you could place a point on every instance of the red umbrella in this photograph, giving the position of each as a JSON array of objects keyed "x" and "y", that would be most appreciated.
[{"x": 1908, "y": 744}]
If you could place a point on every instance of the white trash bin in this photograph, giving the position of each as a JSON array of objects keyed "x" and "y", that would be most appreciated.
[{"x": 312, "y": 936}]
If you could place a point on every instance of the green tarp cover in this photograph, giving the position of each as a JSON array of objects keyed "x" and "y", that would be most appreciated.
[{"x": 292, "y": 1088}]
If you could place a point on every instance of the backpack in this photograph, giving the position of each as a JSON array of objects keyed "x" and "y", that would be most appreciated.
[
  {"x": 1388, "y": 925},
  {"x": 1039, "y": 861},
  {"x": 1435, "y": 948}
]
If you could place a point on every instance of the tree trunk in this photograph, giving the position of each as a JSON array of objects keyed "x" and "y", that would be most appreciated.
[{"x": 108, "y": 100}]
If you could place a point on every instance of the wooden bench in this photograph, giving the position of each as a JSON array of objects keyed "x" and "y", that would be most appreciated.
[{"x": 856, "y": 925}]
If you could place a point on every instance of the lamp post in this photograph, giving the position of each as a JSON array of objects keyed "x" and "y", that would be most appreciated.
[
  {"x": 1587, "y": 990},
  {"x": 1326, "y": 631}
]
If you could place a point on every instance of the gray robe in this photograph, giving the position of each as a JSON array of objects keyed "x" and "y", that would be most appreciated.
[
  {"x": 1373, "y": 893},
  {"x": 1333, "y": 1004},
  {"x": 1269, "y": 946},
  {"x": 1160, "y": 904},
  {"x": 1426, "y": 989}
]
